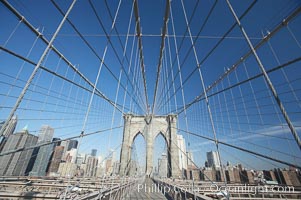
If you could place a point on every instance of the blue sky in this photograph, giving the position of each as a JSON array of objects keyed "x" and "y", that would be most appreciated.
[{"x": 246, "y": 115}]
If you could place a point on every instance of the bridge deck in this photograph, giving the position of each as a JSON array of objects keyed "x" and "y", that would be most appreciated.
[{"x": 147, "y": 190}]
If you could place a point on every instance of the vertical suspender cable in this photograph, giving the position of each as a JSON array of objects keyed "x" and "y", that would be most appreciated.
[
  {"x": 139, "y": 34},
  {"x": 163, "y": 35},
  {"x": 180, "y": 76},
  {"x": 206, "y": 97}
]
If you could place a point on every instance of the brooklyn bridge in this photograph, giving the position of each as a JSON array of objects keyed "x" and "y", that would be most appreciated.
[{"x": 128, "y": 99}]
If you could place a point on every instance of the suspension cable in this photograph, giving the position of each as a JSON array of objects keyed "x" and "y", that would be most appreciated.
[
  {"x": 249, "y": 53},
  {"x": 243, "y": 149},
  {"x": 267, "y": 78},
  {"x": 166, "y": 16},
  {"x": 37, "y": 67},
  {"x": 141, "y": 56},
  {"x": 37, "y": 33}
]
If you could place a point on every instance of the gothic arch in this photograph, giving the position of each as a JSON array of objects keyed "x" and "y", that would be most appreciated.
[{"x": 149, "y": 127}]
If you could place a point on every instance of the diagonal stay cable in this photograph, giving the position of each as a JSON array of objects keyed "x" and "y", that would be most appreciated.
[
  {"x": 201, "y": 97},
  {"x": 108, "y": 36},
  {"x": 178, "y": 49},
  {"x": 167, "y": 10},
  {"x": 91, "y": 48},
  {"x": 36, "y": 32},
  {"x": 98, "y": 93},
  {"x": 36, "y": 69},
  {"x": 267, "y": 78},
  {"x": 249, "y": 53},
  {"x": 212, "y": 49},
  {"x": 242, "y": 149}
]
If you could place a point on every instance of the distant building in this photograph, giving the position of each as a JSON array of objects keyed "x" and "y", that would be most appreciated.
[
  {"x": 58, "y": 143},
  {"x": 93, "y": 152},
  {"x": 9, "y": 130},
  {"x": 45, "y": 152},
  {"x": 71, "y": 155},
  {"x": 109, "y": 166},
  {"x": 65, "y": 144},
  {"x": 56, "y": 160},
  {"x": 133, "y": 168},
  {"x": 45, "y": 134},
  {"x": 1, "y": 124},
  {"x": 190, "y": 160},
  {"x": 68, "y": 146},
  {"x": 182, "y": 152},
  {"x": 162, "y": 166},
  {"x": 42, "y": 160},
  {"x": 100, "y": 167},
  {"x": 11, "y": 126},
  {"x": 80, "y": 159},
  {"x": 19, "y": 163},
  {"x": 213, "y": 159},
  {"x": 91, "y": 167},
  {"x": 72, "y": 144},
  {"x": 67, "y": 169},
  {"x": 116, "y": 166}
]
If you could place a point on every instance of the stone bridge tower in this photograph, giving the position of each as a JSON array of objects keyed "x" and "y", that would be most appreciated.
[{"x": 149, "y": 127}]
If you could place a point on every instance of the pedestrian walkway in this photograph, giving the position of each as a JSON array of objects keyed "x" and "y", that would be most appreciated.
[{"x": 147, "y": 190}]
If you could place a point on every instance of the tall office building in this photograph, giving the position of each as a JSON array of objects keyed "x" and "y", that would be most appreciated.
[
  {"x": 72, "y": 144},
  {"x": 1, "y": 124},
  {"x": 44, "y": 154},
  {"x": 182, "y": 152},
  {"x": 213, "y": 159},
  {"x": 11, "y": 126},
  {"x": 100, "y": 167},
  {"x": 190, "y": 159},
  {"x": 65, "y": 144},
  {"x": 2, "y": 139},
  {"x": 70, "y": 156},
  {"x": 45, "y": 134},
  {"x": 68, "y": 146},
  {"x": 42, "y": 161},
  {"x": 94, "y": 152},
  {"x": 91, "y": 168},
  {"x": 18, "y": 164},
  {"x": 67, "y": 169},
  {"x": 56, "y": 160},
  {"x": 162, "y": 166},
  {"x": 81, "y": 158}
]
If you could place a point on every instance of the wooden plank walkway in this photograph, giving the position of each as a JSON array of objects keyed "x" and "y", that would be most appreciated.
[{"x": 145, "y": 191}]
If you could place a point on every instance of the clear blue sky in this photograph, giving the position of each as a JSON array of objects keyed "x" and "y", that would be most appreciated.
[{"x": 245, "y": 116}]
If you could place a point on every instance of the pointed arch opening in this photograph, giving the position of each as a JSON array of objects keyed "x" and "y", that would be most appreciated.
[
  {"x": 137, "y": 163},
  {"x": 161, "y": 156}
]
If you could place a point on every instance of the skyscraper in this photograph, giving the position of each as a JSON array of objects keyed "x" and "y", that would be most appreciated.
[
  {"x": 44, "y": 154},
  {"x": 45, "y": 134},
  {"x": 56, "y": 160},
  {"x": 70, "y": 156},
  {"x": 182, "y": 152},
  {"x": 11, "y": 126},
  {"x": 190, "y": 160},
  {"x": 92, "y": 163},
  {"x": 1, "y": 124},
  {"x": 94, "y": 152},
  {"x": 213, "y": 159},
  {"x": 72, "y": 144},
  {"x": 80, "y": 158},
  {"x": 162, "y": 166},
  {"x": 65, "y": 144},
  {"x": 17, "y": 164}
]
